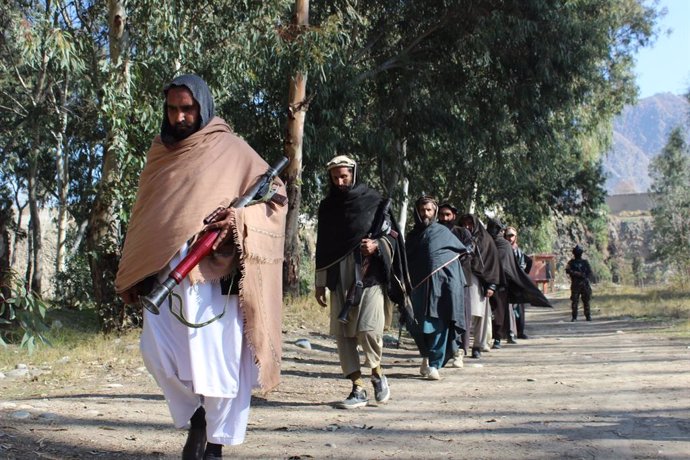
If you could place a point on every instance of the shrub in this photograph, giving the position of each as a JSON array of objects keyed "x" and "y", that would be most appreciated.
[{"x": 22, "y": 313}]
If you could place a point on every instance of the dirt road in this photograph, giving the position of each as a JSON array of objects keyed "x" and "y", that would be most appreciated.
[{"x": 605, "y": 389}]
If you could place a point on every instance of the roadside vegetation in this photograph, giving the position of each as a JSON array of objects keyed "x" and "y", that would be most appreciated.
[
  {"x": 664, "y": 304},
  {"x": 79, "y": 351}
]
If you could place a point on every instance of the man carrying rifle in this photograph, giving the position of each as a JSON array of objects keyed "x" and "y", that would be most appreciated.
[
  {"x": 196, "y": 165},
  {"x": 358, "y": 258}
]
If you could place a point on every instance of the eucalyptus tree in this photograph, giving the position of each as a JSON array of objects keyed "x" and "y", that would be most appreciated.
[
  {"x": 243, "y": 50},
  {"x": 670, "y": 173},
  {"x": 497, "y": 102},
  {"x": 38, "y": 59},
  {"x": 103, "y": 235}
]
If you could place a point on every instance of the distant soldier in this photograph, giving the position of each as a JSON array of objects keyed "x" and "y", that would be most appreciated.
[{"x": 580, "y": 273}]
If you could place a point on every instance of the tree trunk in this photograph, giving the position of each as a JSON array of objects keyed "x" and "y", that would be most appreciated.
[
  {"x": 35, "y": 280},
  {"x": 5, "y": 254},
  {"x": 402, "y": 216},
  {"x": 396, "y": 183},
  {"x": 405, "y": 192},
  {"x": 293, "y": 150},
  {"x": 103, "y": 230},
  {"x": 29, "y": 257},
  {"x": 62, "y": 179},
  {"x": 18, "y": 232}
]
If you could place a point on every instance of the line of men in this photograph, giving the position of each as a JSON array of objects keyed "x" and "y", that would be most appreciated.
[
  {"x": 452, "y": 283},
  {"x": 207, "y": 374}
]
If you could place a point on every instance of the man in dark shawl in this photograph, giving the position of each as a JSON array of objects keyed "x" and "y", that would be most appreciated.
[
  {"x": 207, "y": 373},
  {"x": 438, "y": 283},
  {"x": 483, "y": 282},
  {"x": 360, "y": 259},
  {"x": 447, "y": 216},
  {"x": 579, "y": 271},
  {"x": 515, "y": 285},
  {"x": 524, "y": 262}
]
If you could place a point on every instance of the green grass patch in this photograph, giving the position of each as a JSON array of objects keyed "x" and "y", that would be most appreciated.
[{"x": 649, "y": 303}]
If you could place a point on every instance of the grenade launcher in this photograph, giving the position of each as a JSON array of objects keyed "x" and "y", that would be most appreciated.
[{"x": 204, "y": 244}]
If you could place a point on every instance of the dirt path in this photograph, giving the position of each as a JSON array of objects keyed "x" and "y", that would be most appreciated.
[{"x": 605, "y": 389}]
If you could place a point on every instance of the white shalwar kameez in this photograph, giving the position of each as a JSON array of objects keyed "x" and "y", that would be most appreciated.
[
  {"x": 210, "y": 366},
  {"x": 481, "y": 314}
]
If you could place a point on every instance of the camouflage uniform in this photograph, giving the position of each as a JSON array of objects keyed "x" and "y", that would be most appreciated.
[{"x": 579, "y": 271}]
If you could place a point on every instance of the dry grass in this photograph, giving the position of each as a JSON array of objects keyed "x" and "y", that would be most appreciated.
[
  {"x": 650, "y": 303},
  {"x": 77, "y": 351},
  {"x": 305, "y": 313}
]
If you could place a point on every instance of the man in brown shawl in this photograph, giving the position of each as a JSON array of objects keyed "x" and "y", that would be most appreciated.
[{"x": 206, "y": 374}]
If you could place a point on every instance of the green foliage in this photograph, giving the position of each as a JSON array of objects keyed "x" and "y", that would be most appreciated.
[
  {"x": 501, "y": 104},
  {"x": 22, "y": 314},
  {"x": 69, "y": 284},
  {"x": 537, "y": 239},
  {"x": 670, "y": 173},
  {"x": 504, "y": 105}
]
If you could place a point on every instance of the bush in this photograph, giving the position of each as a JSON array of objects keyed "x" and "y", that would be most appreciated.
[
  {"x": 70, "y": 284},
  {"x": 22, "y": 313}
]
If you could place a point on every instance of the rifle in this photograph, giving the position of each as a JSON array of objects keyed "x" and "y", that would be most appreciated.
[
  {"x": 204, "y": 245},
  {"x": 354, "y": 294}
]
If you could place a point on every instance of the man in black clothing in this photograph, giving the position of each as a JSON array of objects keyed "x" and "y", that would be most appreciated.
[
  {"x": 358, "y": 253},
  {"x": 524, "y": 262},
  {"x": 447, "y": 216},
  {"x": 515, "y": 285},
  {"x": 483, "y": 281},
  {"x": 580, "y": 273}
]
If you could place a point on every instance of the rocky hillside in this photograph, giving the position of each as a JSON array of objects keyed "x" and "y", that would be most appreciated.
[{"x": 639, "y": 134}]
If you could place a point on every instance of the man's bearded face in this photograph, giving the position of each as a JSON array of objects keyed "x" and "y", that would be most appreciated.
[
  {"x": 446, "y": 216},
  {"x": 182, "y": 111},
  {"x": 342, "y": 177},
  {"x": 427, "y": 212}
]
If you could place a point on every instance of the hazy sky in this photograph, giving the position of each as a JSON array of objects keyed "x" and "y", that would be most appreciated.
[{"x": 665, "y": 67}]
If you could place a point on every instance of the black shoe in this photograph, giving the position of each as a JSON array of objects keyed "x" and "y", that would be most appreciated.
[
  {"x": 195, "y": 446},
  {"x": 213, "y": 451},
  {"x": 511, "y": 339},
  {"x": 574, "y": 318},
  {"x": 382, "y": 391},
  {"x": 476, "y": 353},
  {"x": 523, "y": 336},
  {"x": 356, "y": 398},
  {"x": 588, "y": 318},
  {"x": 497, "y": 344}
]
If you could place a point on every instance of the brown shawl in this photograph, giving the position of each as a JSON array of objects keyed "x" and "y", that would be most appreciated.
[{"x": 179, "y": 186}]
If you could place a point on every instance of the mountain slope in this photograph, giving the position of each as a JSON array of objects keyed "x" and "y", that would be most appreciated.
[{"x": 639, "y": 134}]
